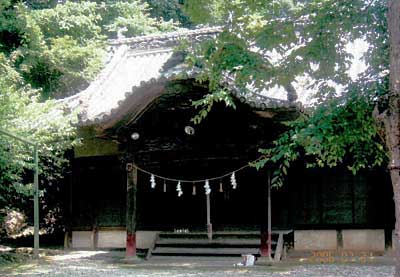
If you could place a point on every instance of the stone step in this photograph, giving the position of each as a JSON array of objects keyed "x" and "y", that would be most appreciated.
[
  {"x": 203, "y": 235},
  {"x": 221, "y": 234},
  {"x": 209, "y": 243},
  {"x": 181, "y": 251},
  {"x": 217, "y": 233},
  {"x": 229, "y": 243}
]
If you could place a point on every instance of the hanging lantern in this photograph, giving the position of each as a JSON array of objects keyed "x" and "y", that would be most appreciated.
[
  {"x": 165, "y": 186},
  {"x": 153, "y": 181},
  {"x": 233, "y": 181},
  {"x": 194, "y": 189},
  {"x": 207, "y": 188},
  {"x": 221, "y": 187},
  {"x": 179, "y": 189}
]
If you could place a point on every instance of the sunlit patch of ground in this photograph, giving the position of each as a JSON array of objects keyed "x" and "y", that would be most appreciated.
[
  {"x": 104, "y": 263},
  {"x": 4, "y": 248},
  {"x": 75, "y": 255}
]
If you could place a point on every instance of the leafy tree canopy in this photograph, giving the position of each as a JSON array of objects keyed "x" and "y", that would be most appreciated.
[
  {"x": 46, "y": 123},
  {"x": 50, "y": 49},
  {"x": 60, "y": 49},
  {"x": 169, "y": 10},
  {"x": 268, "y": 43}
]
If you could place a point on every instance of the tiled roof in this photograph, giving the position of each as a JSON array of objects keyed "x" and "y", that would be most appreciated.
[
  {"x": 166, "y": 39},
  {"x": 136, "y": 74}
]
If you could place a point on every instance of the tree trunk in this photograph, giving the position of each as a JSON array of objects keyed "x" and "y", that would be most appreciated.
[{"x": 392, "y": 120}]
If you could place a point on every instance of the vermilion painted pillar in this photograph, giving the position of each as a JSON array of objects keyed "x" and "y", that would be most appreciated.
[{"x": 131, "y": 172}]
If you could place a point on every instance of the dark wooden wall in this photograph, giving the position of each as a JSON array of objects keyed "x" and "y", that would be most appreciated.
[
  {"x": 226, "y": 140},
  {"x": 310, "y": 199}
]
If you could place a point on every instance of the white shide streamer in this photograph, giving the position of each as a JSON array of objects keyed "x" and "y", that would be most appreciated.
[
  {"x": 179, "y": 189},
  {"x": 153, "y": 181},
  {"x": 233, "y": 181},
  {"x": 207, "y": 187}
]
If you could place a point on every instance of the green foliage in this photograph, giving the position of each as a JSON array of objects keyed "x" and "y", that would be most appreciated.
[
  {"x": 50, "y": 50},
  {"x": 133, "y": 16},
  {"x": 79, "y": 21},
  {"x": 220, "y": 59},
  {"x": 46, "y": 123},
  {"x": 340, "y": 130},
  {"x": 294, "y": 37},
  {"x": 169, "y": 10},
  {"x": 208, "y": 101},
  {"x": 268, "y": 43},
  {"x": 59, "y": 50}
]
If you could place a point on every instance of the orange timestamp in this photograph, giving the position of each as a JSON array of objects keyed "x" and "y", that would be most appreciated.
[{"x": 340, "y": 256}]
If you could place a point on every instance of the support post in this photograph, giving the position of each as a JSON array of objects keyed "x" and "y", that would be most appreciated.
[
  {"x": 36, "y": 203},
  {"x": 131, "y": 171},
  {"x": 209, "y": 225},
  {"x": 266, "y": 235},
  {"x": 269, "y": 216},
  {"x": 68, "y": 208},
  {"x": 279, "y": 248},
  {"x": 95, "y": 235}
]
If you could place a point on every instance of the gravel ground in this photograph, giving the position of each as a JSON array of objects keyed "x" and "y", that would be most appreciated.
[{"x": 89, "y": 263}]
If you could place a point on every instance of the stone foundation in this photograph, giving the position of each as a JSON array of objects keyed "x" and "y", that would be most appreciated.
[
  {"x": 309, "y": 240},
  {"x": 304, "y": 240},
  {"x": 82, "y": 239},
  {"x": 108, "y": 239},
  {"x": 364, "y": 240},
  {"x": 112, "y": 239}
]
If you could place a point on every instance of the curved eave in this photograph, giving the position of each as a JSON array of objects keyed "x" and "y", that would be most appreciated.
[
  {"x": 140, "y": 97},
  {"x": 133, "y": 105},
  {"x": 137, "y": 74}
]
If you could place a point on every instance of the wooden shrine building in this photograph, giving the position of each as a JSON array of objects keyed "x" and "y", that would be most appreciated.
[{"x": 143, "y": 165}]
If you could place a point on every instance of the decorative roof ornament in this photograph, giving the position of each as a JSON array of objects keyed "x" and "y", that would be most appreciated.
[
  {"x": 121, "y": 32},
  {"x": 135, "y": 136},
  {"x": 189, "y": 130}
]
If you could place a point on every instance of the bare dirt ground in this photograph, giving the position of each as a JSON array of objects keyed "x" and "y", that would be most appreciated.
[{"x": 103, "y": 263}]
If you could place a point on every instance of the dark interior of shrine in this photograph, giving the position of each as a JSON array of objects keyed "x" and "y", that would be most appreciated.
[{"x": 224, "y": 141}]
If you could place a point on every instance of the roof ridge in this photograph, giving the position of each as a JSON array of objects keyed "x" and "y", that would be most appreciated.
[{"x": 169, "y": 35}]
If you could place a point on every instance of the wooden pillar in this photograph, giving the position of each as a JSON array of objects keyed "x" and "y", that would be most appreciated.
[
  {"x": 353, "y": 199},
  {"x": 68, "y": 209},
  {"x": 93, "y": 179},
  {"x": 131, "y": 174},
  {"x": 266, "y": 233},
  {"x": 209, "y": 225},
  {"x": 95, "y": 235}
]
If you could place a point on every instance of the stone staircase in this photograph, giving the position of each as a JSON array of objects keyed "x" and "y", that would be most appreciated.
[{"x": 228, "y": 244}]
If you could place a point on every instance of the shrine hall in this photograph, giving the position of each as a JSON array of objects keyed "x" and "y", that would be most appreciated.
[{"x": 148, "y": 180}]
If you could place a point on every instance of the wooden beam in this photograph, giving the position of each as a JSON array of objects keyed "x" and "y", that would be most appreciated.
[{"x": 131, "y": 172}]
